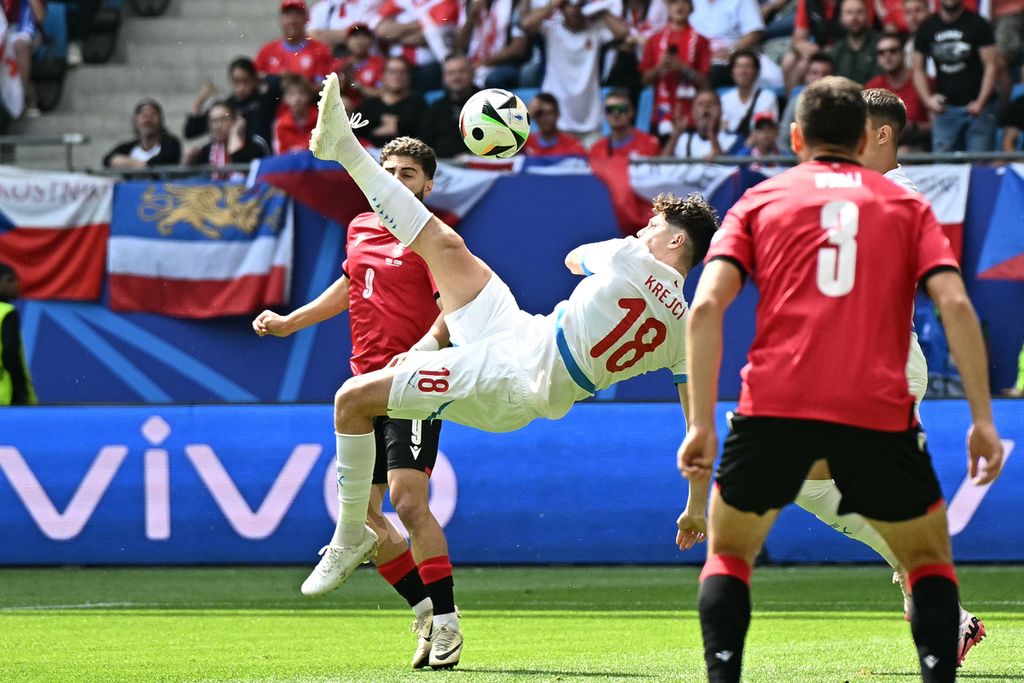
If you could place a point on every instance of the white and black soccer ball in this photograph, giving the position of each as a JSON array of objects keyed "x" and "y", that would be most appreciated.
[{"x": 494, "y": 123}]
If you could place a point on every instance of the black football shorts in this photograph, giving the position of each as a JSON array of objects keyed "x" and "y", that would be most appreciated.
[
  {"x": 404, "y": 444},
  {"x": 886, "y": 476}
]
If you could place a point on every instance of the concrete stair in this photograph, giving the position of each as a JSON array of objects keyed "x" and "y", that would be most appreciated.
[{"x": 166, "y": 58}]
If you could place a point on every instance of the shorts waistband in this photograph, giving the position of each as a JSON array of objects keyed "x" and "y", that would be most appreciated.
[{"x": 577, "y": 374}]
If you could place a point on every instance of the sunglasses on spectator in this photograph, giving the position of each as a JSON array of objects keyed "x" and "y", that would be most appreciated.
[
  {"x": 887, "y": 51},
  {"x": 616, "y": 109}
]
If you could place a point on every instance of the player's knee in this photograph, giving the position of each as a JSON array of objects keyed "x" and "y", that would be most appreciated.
[
  {"x": 412, "y": 508},
  {"x": 348, "y": 402}
]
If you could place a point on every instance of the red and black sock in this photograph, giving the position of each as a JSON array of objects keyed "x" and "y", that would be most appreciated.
[
  {"x": 401, "y": 573},
  {"x": 935, "y": 620},
  {"x": 436, "y": 573},
  {"x": 724, "y": 605}
]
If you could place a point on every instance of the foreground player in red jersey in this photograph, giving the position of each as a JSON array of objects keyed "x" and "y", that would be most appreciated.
[
  {"x": 391, "y": 299},
  {"x": 836, "y": 251}
]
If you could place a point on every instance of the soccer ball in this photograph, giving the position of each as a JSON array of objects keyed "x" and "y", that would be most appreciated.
[{"x": 494, "y": 123}]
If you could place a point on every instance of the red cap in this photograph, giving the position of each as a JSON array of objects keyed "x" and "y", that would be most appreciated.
[
  {"x": 293, "y": 4},
  {"x": 764, "y": 117}
]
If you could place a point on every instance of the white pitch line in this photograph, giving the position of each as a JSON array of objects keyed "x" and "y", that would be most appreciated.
[{"x": 84, "y": 605}]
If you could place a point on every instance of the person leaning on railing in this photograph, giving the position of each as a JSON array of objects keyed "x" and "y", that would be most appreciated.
[{"x": 152, "y": 144}]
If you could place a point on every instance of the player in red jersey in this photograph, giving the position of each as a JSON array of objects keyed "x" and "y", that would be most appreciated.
[
  {"x": 392, "y": 302},
  {"x": 836, "y": 251},
  {"x": 294, "y": 52}
]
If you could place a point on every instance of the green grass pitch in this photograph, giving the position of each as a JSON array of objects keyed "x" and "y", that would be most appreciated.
[{"x": 582, "y": 624}]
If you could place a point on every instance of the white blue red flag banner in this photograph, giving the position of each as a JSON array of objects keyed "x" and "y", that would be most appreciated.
[
  {"x": 199, "y": 250},
  {"x": 945, "y": 187},
  {"x": 53, "y": 232},
  {"x": 1002, "y": 254}
]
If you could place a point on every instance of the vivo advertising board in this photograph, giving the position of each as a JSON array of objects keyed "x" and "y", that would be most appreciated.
[{"x": 256, "y": 485}]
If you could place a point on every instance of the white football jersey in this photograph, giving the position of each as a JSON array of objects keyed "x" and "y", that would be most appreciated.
[
  {"x": 626, "y": 318},
  {"x": 917, "y": 366}
]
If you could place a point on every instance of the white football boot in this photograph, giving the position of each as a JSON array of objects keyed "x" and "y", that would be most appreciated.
[
  {"x": 332, "y": 124},
  {"x": 423, "y": 627},
  {"x": 338, "y": 562},
  {"x": 446, "y": 647}
]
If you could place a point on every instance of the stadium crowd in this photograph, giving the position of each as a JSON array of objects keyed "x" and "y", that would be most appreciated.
[{"x": 707, "y": 77}]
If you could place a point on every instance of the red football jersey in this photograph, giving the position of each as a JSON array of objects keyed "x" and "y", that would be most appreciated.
[
  {"x": 638, "y": 144},
  {"x": 836, "y": 252},
  {"x": 311, "y": 58},
  {"x": 673, "y": 95},
  {"x": 563, "y": 145},
  {"x": 391, "y": 294}
]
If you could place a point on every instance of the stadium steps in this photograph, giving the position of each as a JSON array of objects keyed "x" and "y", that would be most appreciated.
[{"x": 166, "y": 58}]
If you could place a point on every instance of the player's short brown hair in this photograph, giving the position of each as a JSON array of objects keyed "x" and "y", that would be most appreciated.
[
  {"x": 832, "y": 112},
  {"x": 694, "y": 216},
  {"x": 885, "y": 106},
  {"x": 413, "y": 148}
]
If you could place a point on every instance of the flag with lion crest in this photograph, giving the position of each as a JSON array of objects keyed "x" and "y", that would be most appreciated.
[{"x": 199, "y": 250}]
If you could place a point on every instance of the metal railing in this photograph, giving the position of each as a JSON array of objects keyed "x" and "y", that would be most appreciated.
[
  {"x": 8, "y": 143},
  {"x": 69, "y": 141}
]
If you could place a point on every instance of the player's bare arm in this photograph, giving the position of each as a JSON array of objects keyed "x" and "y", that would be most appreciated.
[
  {"x": 693, "y": 522},
  {"x": 436, "y": 338},
  {"x": 965, "y": 341},
  {"x": 331, "y": 302},
  {"x": 718, "y": 286}
]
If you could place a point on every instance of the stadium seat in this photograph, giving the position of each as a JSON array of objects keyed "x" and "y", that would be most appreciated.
[
  {"x": 99, "y": 46},
  {"x": 432, "y": 96},
  {"x": 149, "y": 8},
  {"x": 49, "y": 61},
  {"x": 1017, "y": 91},
  {"x": 645, "y": 108}
]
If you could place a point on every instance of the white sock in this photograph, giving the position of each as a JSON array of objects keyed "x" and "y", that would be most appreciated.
[
  {"x": 398, "y": 208},
  {"x": 424, "y": 606},
  {"x": 356, "y": 455},
  {"x": 451, "y": 620},
  {"x": 821, "y": 498}
]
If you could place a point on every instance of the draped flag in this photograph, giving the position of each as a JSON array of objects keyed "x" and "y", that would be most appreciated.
[
  {"x": 1002, "y": 253},
  {"x": 199, "y": 251},
  {"x": 53, "y": 232},
  {"x": 945, "y": 187},
  {"x": 326, "y": 187}
]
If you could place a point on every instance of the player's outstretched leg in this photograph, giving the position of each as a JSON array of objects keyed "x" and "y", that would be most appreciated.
[
  {"x": 356, "y": 403},
  {"x": 459, "y": 274}
]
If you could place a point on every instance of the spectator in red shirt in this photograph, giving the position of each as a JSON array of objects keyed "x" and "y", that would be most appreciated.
[
  {"x": 296, "y": 120},
  {"x": 360, "y": 72},
  {"x": 676, "y": 60},
  {"x": 548, "y": 141},
  {"x": 295, "y": 53},
  {"x": 624, "y": 140},
  {"x": 896, "y": 77}
]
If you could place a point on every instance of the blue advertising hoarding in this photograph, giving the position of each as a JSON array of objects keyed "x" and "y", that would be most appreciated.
[{"x": 255, "y": 485}]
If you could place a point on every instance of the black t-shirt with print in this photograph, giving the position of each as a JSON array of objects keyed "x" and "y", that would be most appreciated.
[{"x": 956, "y": 50}]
